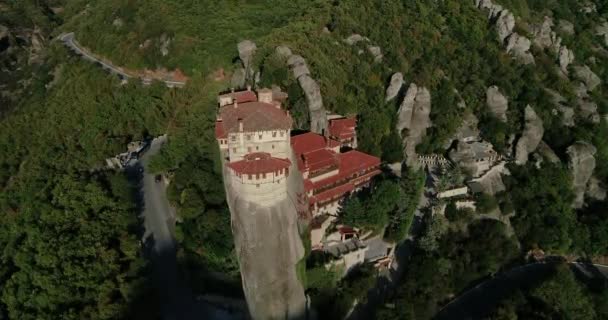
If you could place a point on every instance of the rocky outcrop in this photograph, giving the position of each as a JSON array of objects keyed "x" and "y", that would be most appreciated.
[
  {"x": 581, "y": 163},
  {"x": 374, "y": 50},
  {"x": 491, "y": 182},
  {"x": 566, "y": 57},
  {"x": 246, "y": 52},
  {"x": 519, "y": 46},
  {"x": 559, "y": 102},
  {"x": 544, "y": 37},
  {"x": 590, "y": 79},
  {"x": 165, "y": 41},
  {"x": 497, "y": 103},
  {"x": 312, "y": 91},
  {"x": 413, "y": 116},
  {"x": 566, "y": 27},
  {"x": 394, "y": 87},
  {"x": 586, "y": 107},
  {"x": 602, "y": 31},
  {"x": 238, "y": 78},
  {"x": 504, "y": 25},
  {"x": 531, "y": 137},
  {"x": 355, "y": 38},
  {"x": 595, "y": 190}
]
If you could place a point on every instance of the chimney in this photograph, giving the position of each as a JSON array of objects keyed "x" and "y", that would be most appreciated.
[
  {"x": 240, "y": 125},
  {"x": 236, "y": 104},
  {"x": 248, "y": 87},
  {"x": 232, "y": 90}
]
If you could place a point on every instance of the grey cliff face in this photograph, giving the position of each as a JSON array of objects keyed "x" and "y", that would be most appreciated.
[
  {"x": 246, "y": 50},
  {"x": 394, "y": 87},
  {"x": 497, "y": 103},
  {"x": 414, "y": 115},
  {"x": 584, "y": 74}
]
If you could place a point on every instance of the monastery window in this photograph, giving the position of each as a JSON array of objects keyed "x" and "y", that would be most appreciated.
[
  {"x": 282, "y": 133},
  {"x": 273, "y": 146},
  {"x": 249, "y": 177},
  {"x": 248, "y": 137},
  {"x": 257, "y": 148},
  {"x": 274, "y": 134},
  {"x": 257, "y": 176},
  {"x": 264, "y": 176},
  {"x": 233, "y": 138},
  {"x": 260, "y": 136}
]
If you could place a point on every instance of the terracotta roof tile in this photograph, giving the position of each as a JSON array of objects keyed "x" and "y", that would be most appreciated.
[
  {"x": 342, "y": 128},
  {"x": 259, "y": 162},
  {"x": 256, "y": 116}
]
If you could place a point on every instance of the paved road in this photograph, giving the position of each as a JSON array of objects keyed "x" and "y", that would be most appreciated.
[
  {"x": 69, "y": 40},
  {"x": 177, "y": 301}
]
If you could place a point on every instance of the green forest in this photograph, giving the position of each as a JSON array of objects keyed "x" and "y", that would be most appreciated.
[{"x": 70, "y": 234}]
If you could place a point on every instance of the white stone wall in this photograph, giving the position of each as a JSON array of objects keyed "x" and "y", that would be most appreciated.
[
  {"x": 276, "y": 142},
  {"x": 453, "y": 192},
  {"x": 264, "y": 191}
]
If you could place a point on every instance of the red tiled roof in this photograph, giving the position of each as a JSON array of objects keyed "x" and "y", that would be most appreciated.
[
  {"x": 347, "y": 230},
  {"x": 256, "y": 116},
  {"x": 242, "y": 96},
  {"x": 319, "y": 159},
  {"x": 259, "y": 162},
  {"x": 342, "y": 128},
  {"x": 350, "y": 163},
  {"x": 308, "y": 143},
  {"x": 219, "y": 130},
  {"x": 333, "y": 193}
]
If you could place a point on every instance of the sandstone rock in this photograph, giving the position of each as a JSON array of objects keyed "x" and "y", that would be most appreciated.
[
  {"x": 497, "y": 103},
  {"x": 318, "y": 116},
  {"x": 531, "y": 137},
  {"x": 394, "y": 87},
  {"x": 246, "y": 51},
  {"x": 519, "y": 47},
  {"x": 566, "y": 27},
  {"x": 602, "y": 31},
  {"x": 283, "y": 52},
  {"x": 582, "y": 163},
  {"x": 584, "y": 74},
  {"x": 595, "y": 190},
  {"x": 547, "y": 153},
  {"x": 504, "y": 25},
  {"x": 298, "y": 66},
  {"x": 566, "y": 57},
  {"x": 376, "y": 52},
  {"x": 413, "y": 115}
]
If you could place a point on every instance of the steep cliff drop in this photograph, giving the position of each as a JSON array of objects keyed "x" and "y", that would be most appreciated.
[{"x": 269, "y": 247}]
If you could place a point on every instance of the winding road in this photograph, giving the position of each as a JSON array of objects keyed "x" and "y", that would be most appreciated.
[
  {"x": 69, "y": 40},
  {"x": 177, "y": 301}
]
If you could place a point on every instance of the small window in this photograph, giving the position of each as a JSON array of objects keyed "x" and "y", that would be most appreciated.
[
  {"x": 264, "y": 176},
  {"x": 233, "y": 138},
  {"x": 234, "y": 150},
  {"x": 248, "y": 137},
  {"x": 274, "y": 134},
  {"x": 273, "y": 146},
  {"x": 249, "y": 177},
  {"x": 282, "y": 133},
  {"x": 257, "y": 176},
  {"x": 260, "y": 136},
  {"x": 257, "y": 148}
]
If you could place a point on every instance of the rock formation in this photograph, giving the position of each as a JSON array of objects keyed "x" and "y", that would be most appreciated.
[
  {"x": 394, "y": 87},
  {"x": 268, "y": 246},
  {"x": 582, "y": 163},
  {"x": 547, "y": 153},
  {"x": 312, "y": 91},
  {"x": 586, "y": 107},
  {"x": 566, "y": 57},
  {"x": 246, "y": 51},
  {"x": 531, "y": 137},
  {"x": 354, "y": 38},
  {"x": 413, "y": 115},
  {"x": 238, "y": 78},
  {"x": 544, "y": 37},
  {"x": 595, "y": 190},
  {"x": 504, "y": 25},
  {"x": 559, "y": 102},
  {"x": 376, "y": 52},
  {"x": 602, "y": 31},
  {"x": 584, "y": 74},
  {"x": 491, "y": 182},
  {"x": 497, "y": 103},
  {"x": 519, "y": 46},
  {"x": 566, "y": 27},
  {"x": 165, "y": 41}
]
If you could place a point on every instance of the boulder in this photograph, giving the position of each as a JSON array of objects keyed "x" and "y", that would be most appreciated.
[
  {"x": 586, "y": 107},
  {"x": 504, "y": 25},
  {"x": 491, "y": 182},
  {"x": 283, "y": 52},
  {"x": 376, "y": 52},
  {"x": 497, "y": 103},
  {"x": 394, "y": 87},
  {"x": 298, "y": 66},
  {"x": 531, "y": 137},
  {"x": 602, "y": 31},
  {"x": 118, "y": 23},
  {"x": 584, "y": 74},
  {"x": 246, "y": 51},
  {"x": 414, "y": 115},
  {"x": 567, "y": 115},
  {"x": 519, "y": 47},
  {"x": 581, "y": 163},
  {"x": 595, "y": 190},
  {"x": 544, "y": 37},
  {"x": 566, "y": 57},
  {"x": 566, "y": 27},
  {"x": 588, "y": 7},
  {"x": 354, "y": 38},
  {"x": 547, "y": 153}
]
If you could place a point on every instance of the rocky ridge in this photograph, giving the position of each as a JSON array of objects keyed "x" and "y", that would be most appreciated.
[{"x": 413, "y": 120}]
